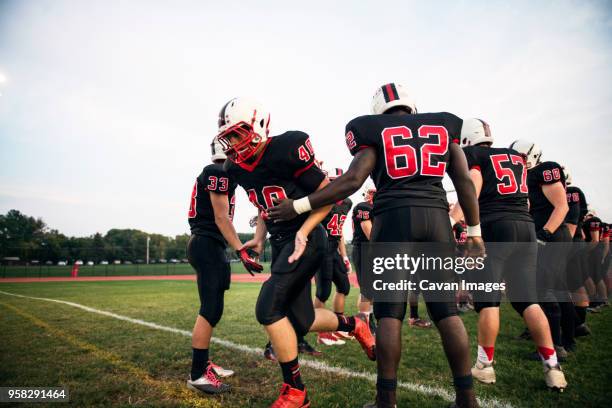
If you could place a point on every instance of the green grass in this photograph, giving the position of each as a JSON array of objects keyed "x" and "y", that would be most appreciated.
[
  {"x": 41, "y": 271},
  {"x": 104, "y": 361}
]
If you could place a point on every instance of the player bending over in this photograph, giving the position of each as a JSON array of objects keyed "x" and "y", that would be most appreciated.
[{"x": 270, "y": 169}]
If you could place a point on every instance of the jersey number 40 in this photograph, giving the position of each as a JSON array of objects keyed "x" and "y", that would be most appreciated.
[{"x": 409, "y": 167}]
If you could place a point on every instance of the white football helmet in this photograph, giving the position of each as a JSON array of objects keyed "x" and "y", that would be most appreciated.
[
  {"x": 568, "y": 175},
  {"x": 243, "y": 126},
  {"x": 369, "y": 191},
  {"x": 390, "y": 95},
  {"x": 217, "y": 153},
  {"x": 475, "y": 131},
  {"x": 529, "y": 150}
]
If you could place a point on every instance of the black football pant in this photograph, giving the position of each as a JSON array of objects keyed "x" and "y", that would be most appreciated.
[
  {"x": 207, "y": 256},
  {"x": 553, "y": 289},
  {"x": 418, "y": 224},
  {"x": 334, "y": 271},
  {"x": 287, "y": 293}
]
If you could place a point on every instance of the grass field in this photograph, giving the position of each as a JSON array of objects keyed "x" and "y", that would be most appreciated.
[
  {"x": 43, "y": 271},
  {"x": 106, "y": 361}
]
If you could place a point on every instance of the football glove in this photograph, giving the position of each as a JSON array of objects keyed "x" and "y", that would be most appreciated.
[
  {"x": 248, "y": 258},
  {"x": 347, "y": 264},
  {"x": 544, "y": 236}
]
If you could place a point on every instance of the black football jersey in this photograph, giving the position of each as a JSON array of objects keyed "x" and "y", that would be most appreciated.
[
  {"x": 542, "y": 174},
  {"x": 334, "y": 220},
  {"x": 361, "y": 212},
  {"x": 201, "y": 214},
  {"x": 577, "y": 205},
  {"x": 284, "y": 169},
  {"x": 412, "y": 151},
  {"x": 592, "y": 224},
  {"x": 504, "y": 183}
]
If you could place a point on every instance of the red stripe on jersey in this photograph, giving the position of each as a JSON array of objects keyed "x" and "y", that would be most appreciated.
[
  {"x": 361, "y": 147},
  {"x": 301, "y": 171},
  {"x": 476, "y": 167},
  {"x": 455, "y": 141},
  {"x": 390, "y": 93}
]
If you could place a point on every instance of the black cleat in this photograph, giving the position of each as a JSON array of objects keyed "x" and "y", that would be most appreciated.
[
  {"x": 269, "y": 352},
  {"x": 582, "y": 330},
  {"x": 305, "y": 348}
]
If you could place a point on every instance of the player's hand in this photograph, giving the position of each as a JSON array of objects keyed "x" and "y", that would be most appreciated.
[
  {"x": 543, "y": 236},
  {"x": 300, "y": 246},
  {"x": 255, "y": 245},
  {"x": 249, "y": 260},
  {"x": 282, "y": 211},
  {"x": 474, "y": 247},
  {"x": 347, "y": 264}
]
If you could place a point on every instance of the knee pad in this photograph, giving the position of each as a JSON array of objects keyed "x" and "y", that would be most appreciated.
[
  {"x": 521, "y": 306},
  {"x": 324, "y": 287},
  {"x": 441, "y": 310},
  {"x": 394, "y": 310},
  {"x": 478, "y": 306},
  {"x": 265, "y": 310},
  {"x": 211, "y": 307},
  {"x": 343, "y": 286}
]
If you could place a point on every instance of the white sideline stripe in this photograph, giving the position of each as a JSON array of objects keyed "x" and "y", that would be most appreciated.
[{"x": 317, "y": 365}]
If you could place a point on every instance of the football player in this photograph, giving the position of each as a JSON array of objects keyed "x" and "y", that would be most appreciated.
[
  {"x": 210, "y": 218},
  {"x": 548, "y": 207},
  {"x": 271, "y": 169},
  {"x": 591, "y": 228},
  {"x": 500, "y": 178},
  {"x": 334, "y": 269},
  {"x": 407, "y": 155},
  {"x": 576, "y": 273},
  {"x": 362, "y": 226}
]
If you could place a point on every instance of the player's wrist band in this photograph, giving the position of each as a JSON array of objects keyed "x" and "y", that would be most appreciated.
[
  {"x": 474, "y": 231},
  {"x": 302, "y": 205}
]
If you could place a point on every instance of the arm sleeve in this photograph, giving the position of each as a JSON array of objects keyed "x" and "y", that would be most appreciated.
[
  {"x": 215, "y": 179},
  {"x": 302, "y": 162},
  {"x": 471, "y": 158},
  {"x": 354, "y": 138},
  {"x": 549, "y": 173},
  {"x": 453, "y": 125}
]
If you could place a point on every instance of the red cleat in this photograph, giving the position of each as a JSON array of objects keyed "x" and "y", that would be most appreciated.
[
  {"x": 364, "y": 336},
  {"x": 291, "y": 398}
]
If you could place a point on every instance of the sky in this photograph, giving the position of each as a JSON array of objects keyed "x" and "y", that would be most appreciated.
[{"x": 108, "y": 107}]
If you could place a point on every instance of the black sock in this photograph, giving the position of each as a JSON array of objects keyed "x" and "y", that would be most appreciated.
[
  {"x": 346, "y": 324},
  {"x": 199, "y": 363},
  {"x": 414, "y": 311},
  {"x": 581, "y": 313},
  {"x": 291, "y": 374}
]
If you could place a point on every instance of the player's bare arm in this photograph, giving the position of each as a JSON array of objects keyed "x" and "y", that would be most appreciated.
[
  {"x": 314, "y": 218},
  {"x": 345, "y": 185},
  {"x": 221, "y": 209},
  {"x": 555, "y": 193},
  {"x": 466, "y": 194},
  {"x": 257, "y": 242},
  {"x": 456, "y": 214}
]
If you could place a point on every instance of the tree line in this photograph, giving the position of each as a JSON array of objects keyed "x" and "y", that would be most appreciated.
[{"x": 29, "y": 239}]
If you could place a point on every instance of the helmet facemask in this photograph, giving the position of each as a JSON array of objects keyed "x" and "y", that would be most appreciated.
[{"x": 240, "y": 142}]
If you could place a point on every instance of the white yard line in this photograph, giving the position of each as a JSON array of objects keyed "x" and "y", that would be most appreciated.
[{"x": 317, "y": 365}]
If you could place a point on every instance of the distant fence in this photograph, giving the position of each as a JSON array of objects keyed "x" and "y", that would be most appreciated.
[{"x": 43, "y": 271}]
